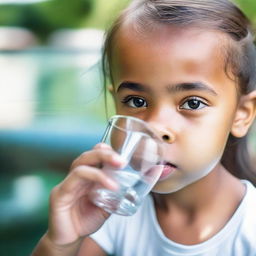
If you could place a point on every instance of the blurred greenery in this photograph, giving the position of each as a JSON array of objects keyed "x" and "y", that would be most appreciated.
[
  {"x": 249, "y": 7},
  {"x": 46, "y": 17},
  {"x": 43, "y": 18},
  {"x": 104, "y": 12}
]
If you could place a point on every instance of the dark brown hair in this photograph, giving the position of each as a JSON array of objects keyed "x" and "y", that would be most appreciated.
[{"x": 239, "y": 54}]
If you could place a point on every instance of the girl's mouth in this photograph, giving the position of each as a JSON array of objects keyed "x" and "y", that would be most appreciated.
[{"x": 168, "y": 169}]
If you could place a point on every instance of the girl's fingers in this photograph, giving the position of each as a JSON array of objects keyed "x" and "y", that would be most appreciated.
[
  {"x": 102, "y": 146},
  {"x": 92, "y": 175},
  {"x": 97, "y": 157},
  {"x": 85, "y": 173},
  {"x": 80, "y": 182}
]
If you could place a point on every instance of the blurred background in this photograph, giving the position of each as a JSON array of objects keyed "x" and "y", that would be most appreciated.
[{"x": 51, "y": 103}]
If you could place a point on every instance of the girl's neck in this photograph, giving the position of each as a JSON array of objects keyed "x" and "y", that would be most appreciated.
[
  {"x": 213, "y": 188},
  {"x": 199, "y": 211}
]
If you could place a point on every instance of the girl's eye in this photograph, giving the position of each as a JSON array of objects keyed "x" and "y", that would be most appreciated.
[
  {"x": 135, "y": 102},
  {"x": 193, "y": 104}
]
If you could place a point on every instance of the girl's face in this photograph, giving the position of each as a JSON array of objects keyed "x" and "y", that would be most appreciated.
[{"x": 175, "y": 80}]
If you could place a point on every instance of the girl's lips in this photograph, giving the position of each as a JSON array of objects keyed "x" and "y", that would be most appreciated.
[{"x": 167, "y": 170}]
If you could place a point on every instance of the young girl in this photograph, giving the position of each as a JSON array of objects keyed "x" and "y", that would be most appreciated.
[{"x": 187, "y": 67}]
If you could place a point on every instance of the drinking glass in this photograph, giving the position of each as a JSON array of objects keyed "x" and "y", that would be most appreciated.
[{"x": 140, "y": 147}]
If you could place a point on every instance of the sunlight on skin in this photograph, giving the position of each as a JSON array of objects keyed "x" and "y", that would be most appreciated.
[{"x": 206, "y": 233}]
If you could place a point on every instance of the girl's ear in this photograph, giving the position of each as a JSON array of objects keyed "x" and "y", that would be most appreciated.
[{"x": 245, "y": 115}]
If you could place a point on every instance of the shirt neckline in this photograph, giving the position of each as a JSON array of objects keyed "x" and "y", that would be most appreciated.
[{"x": 214, "y": 241}]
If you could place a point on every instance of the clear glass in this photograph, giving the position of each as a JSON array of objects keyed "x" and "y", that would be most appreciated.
[{"x": 141, "y": 149}]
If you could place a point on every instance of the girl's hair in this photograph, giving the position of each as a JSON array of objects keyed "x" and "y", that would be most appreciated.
[{"x": 239, "y": 54}]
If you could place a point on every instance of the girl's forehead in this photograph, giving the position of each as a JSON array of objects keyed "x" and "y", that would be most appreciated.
[
  {"x": 194, "y": 43},
  {"x": 170, "y": 53},
  {"x": 169, "y": 33}
]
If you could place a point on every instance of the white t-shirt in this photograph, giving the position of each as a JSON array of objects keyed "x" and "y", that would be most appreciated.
[{"x": 140, "y": 234}]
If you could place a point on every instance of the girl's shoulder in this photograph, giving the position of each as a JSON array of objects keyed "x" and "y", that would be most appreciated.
[
  {"x": 250, "y": 196},
  {"x": 247, "y": 212},
  {"x": 249, "y": 202}
]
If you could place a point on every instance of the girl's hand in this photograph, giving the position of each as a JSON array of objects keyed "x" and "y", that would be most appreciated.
[{"x": 72, "y": 214}]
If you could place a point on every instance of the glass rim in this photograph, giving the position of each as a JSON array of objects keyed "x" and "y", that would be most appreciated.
[{"x": 153, "y": 133}]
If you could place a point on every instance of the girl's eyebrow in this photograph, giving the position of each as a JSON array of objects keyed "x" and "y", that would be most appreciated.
[
  {"x": 132, "y": 86},
  {"x": 197, "y": 86},
  {"x": 191, "y": 86}
]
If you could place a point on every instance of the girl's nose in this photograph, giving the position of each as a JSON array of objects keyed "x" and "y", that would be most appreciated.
[
  {"x": 163, "y": 132},
  {"x": 167, "y": 138},
  {"x": 164, "y": 121}
]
